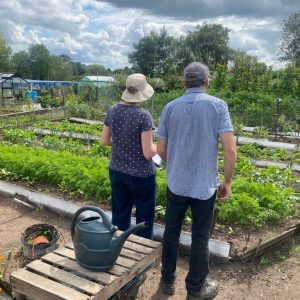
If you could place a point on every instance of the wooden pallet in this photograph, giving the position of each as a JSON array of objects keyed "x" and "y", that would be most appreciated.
[{"x": 57, "y": 276}]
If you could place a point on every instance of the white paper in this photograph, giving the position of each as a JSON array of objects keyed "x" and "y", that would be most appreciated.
[{"x": 157, "y": 160}]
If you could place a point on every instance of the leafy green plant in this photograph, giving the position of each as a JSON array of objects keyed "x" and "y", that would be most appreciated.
[
  {"x": 258, "y": 195},
  {"x": 76, "y": 108},
  {"x": 66, "y": 126},
  {"x": 296, "y": 251},
  {"x": 19, "y": 136},
  {"x": 280, "y": 256},
  {"x": 85, "y": 175},
  {"x": 261, "y": 132},
  {"x": 264, "y": 261},
  {"x": 160, "y": 212}
]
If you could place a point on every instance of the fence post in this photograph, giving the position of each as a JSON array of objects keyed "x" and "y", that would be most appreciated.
[{"x": 276, "y": 116}]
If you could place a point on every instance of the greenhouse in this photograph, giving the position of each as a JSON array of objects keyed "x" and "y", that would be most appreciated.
[
  {"x": 98, "y": 90},
  {"x": 12, "y": 86}
]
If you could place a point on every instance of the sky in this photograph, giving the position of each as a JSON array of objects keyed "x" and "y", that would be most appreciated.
[{"x": 104, "y": 32}]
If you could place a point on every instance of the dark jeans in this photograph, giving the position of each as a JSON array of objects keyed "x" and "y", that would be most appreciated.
[
  {"x": 202, "y": 212},
  {"x": 127, "y": 191}
]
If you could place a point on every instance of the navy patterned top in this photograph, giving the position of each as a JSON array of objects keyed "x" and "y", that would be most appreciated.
[{"x": 126, "y": 123}]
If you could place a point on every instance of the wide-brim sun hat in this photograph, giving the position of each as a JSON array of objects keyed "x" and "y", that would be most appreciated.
[{"x": 137, "y": 89}]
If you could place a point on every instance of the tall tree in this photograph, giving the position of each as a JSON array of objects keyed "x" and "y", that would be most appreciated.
[
  {"x": 60, "y": 68},
  {"x": 21, "y": 64},
  {"x": 40, "y": 61},
  {"x": 96, "y": 69},
  {"x": 244, "y": 72},
  {"x": 209, "y": 43},
  {"x": 289, "y": 48},
  {"x": 78, "y": 68},
  {"x": 153, "y": 54},
  {"x": 5, "y": 55}
]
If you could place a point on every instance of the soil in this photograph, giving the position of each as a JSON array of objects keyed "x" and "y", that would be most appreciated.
[{"x": 274, "y": 276}]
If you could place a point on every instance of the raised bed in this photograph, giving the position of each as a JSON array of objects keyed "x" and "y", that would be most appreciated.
[
  {"x": 72, "y": 135},
  {"x": 286, "y": 135},
  {"x": 266, "y": 143},
  {"x": 281, "y": 165},
  {"x": 85, "y": 121}
]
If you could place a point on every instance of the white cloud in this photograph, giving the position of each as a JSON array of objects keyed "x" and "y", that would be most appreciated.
[{"x": 97, "y": 32}]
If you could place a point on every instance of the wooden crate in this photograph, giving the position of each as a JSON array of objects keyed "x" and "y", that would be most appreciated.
[{"x": 57, "y": 276}]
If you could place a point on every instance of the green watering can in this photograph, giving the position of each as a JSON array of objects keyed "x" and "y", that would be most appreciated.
[{"x": 96, "y": 245}]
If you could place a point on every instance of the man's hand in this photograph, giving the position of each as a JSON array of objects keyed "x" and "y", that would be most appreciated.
[{"x": 224, "y": 191}]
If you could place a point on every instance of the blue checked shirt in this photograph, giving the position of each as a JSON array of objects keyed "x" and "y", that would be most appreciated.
[{"x": 191, "y": 125}]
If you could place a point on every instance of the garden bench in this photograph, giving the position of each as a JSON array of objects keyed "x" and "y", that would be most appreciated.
[{"x": 57, "y": 276}]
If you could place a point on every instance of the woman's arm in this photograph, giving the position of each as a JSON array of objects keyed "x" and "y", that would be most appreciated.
[
  {"x": 106, "y": 136},
  {"x": 149, "y": 149}
]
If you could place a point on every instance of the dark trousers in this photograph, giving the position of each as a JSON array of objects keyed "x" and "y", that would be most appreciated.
[
  {"x": 127, "y": 191},
  {"x": 202, "y": 212}
]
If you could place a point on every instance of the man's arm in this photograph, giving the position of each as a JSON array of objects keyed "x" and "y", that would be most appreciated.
[
  {"x": 106, "y": 136},
  {"x": 229, "y": 149},
  {"x": 161, "y": 148}
]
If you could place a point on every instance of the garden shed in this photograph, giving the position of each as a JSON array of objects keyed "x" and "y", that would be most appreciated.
[
  {"x": 97, "y": 90},
  {"x": 12, "y": 86}
]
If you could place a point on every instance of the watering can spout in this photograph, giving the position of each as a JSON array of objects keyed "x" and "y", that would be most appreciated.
[{"x": 119, "y": 242}]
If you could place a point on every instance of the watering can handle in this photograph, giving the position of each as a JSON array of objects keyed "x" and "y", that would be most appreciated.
[{"x": 104, "y": 217}]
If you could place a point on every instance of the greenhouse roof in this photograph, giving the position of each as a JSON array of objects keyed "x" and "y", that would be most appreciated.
[
  {"x": 98, "y": 78},
  {"x": 6, "y": 75}
]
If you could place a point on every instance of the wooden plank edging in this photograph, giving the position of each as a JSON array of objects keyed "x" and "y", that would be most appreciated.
[{"x": 269, "y": 244}]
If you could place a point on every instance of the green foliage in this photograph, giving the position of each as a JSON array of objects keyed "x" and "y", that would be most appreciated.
[
  {"x": 209, "y": 43},
  {"x": 258, "y": 195},
  {"x": 160, "y": 212},
  {"x": 254, "y": 203},
  {"x": 296, "y": 251},
  {"x": 253, "y": 150},
  {"x": 153, "y": 54},
  {"x": 244, "y": 72},
  {"x": 21, "y": 64},
  {"x": 84, "y": 175},
  {"x": 220, "y": 79},
  {"x": 75, "y": 108},
  {"x": 280, "y": 256},
  {"x": 238, "y": 128},
  {"x": 5, "y": 55},
  {"x": 61, "y": 67},
  {"x": 18, "y": 120},
  {"x": 264, "y": 261},
  {"x": 18, "y": 136},
  {"x": 77, "y": 147},
  {"x": 161, "y": 180},
  {"x": 66, "y": 126},
  {"x": 39, "y": 59},
  {"x": 48, "y": 101},
  {"x": 260, "y": 132}
]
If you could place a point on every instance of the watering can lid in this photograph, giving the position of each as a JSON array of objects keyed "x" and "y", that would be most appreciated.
[{"x": 93, "y": 224}]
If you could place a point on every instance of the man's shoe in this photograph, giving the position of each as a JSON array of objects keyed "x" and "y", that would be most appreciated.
[
  {"x": 209, "y": 291},
  {"x": 167, "y": 288}
]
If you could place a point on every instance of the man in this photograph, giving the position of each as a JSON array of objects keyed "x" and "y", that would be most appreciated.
[{"x": 188, "y": 134}]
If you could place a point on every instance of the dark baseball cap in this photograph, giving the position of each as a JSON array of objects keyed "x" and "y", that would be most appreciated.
[{"x": 195, "y": 71}]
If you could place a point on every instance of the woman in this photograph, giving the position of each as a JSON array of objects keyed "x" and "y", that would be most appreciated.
[{"x": 128, "y": 128}]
